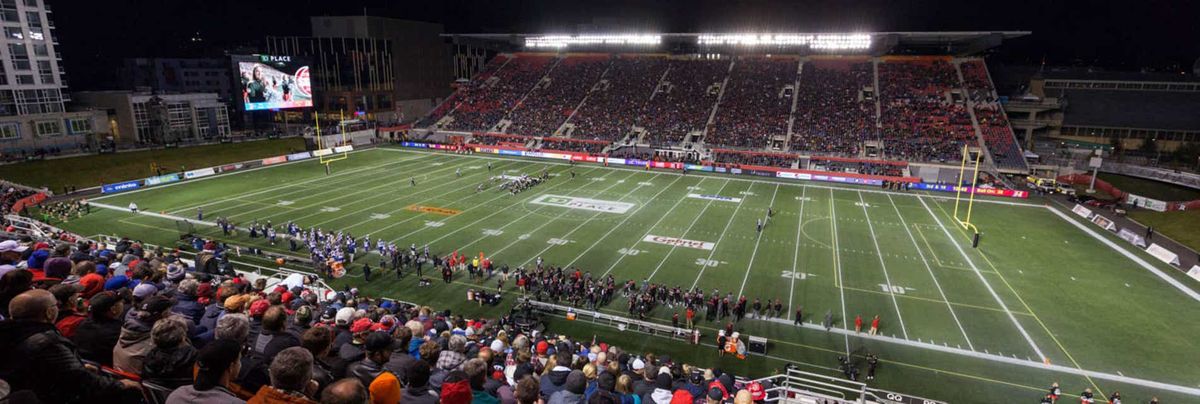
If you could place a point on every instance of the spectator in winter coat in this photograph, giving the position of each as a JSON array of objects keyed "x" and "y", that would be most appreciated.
[
  {"x": 169, "y": 362},
  {"x": 97, "y": 335},
  {"x": 418, "y": 391},
  {"x": 556, "y": 379},
  {"x": 217, "y": 364},
  {"x": 69, "y": 301},
  {"x": 477, "y": 371},
  {"x": 662, "y": 390},
  {"x": 572, "y": 392},
  {"x": 185, "y": 301},
  {"x": 401, "y": 361},
  {"x": 291, "y": 379},
  {"x": 135, "y": 341},
  {"x": 379, "y": 350}
]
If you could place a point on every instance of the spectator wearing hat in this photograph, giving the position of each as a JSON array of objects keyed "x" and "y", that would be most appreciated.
[
  {"x": 291, "y": 379},
  {"x": 169, "y": 362},
  {"x": 185, "y": 301},
  {"x": 354, "y": 351},
  {"x": 258, "y": 307},
  {"x": 98, "y": 333},
  {"x": 217, "y": 365},
  {"x": 341, "y": 322},
  {"x": 214, "y": 310},
  {"x": 89, "y": 278},
  {"x": 378, "y": 348},
  {"x": 39, "y": 359},
  {"x": 135, "y": 341},
  {"x": 572, "y": 391},
  {"x": 302, "y": 320},
  {"x": 555, "y": 380},
  {"x": 69, "y": 305},
  {"x": 418, "y": 391},
  {"x": 662, "y": 390},
  {"x": 58, "y": 268},
  {"x": 456, "y": 389}
]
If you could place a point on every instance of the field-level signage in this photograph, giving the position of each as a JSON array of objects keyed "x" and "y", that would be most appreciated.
[
  {"x": 679, "y": 242},
  {"x": 583, "y": 203},
  {"x": 715, "y": 197}
]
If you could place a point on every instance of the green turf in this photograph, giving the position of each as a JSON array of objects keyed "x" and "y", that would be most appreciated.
[
  {"x": 1056, "y": 288},
  {"x": 1162, "y": 191},
  {"x": 1180, "y": 226},
  {"x": 93, "y": 170}
]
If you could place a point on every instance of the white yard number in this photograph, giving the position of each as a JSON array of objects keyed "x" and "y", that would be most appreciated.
[
  {"x": 706, "y": 263},
  {"x": 431, "y": 223},
  {"x": 892, "y": 288},
  {"x": 748, "y": 193},
  {"x": 599, "y": 178},
  {"x": 492, "y": 232},
  {"x": 693, "y": 188},
  {"x": 380, "y": 216},
  {"x": 620, "y": 181},
  {"x": 863, "y": 204},
  {"x": 523, "y": 236},
  {"x": 794, "y": 275},
  {"x": 645, "y": 184},
  {"x": 629, "y": 251},
  {"x": 330, "y": 209},
  {"x": 285, "y": 203},
  {"x": 804, "y": 198},
  {"x": 557, "y": 241}
]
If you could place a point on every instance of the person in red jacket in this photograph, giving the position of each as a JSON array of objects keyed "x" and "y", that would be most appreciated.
[
  {"x": 69, "y": 307},
  {"x": 690, "y": 316},
  {"x": 858, "y": 322},
  {"x": 875, "y": 325}
]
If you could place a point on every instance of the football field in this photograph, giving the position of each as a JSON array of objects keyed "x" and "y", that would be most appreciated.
[{"x": 1047, "y": 297}]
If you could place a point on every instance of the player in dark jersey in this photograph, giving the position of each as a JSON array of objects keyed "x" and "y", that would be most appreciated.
[
  {"x": 1086, "y": 397},
  {"x": 1055, "y": 392}
]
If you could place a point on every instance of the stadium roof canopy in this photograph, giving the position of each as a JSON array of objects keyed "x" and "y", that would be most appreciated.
[{"x": 958, "y": 43}]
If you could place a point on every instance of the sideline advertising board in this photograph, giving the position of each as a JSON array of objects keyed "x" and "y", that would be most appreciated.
[
  {"x": 1104, "y": 223},
  {"x": 161, "y": 179},
  {"x": 1147, "y": 203},
  {"x": 1132, "y": 238},
  {"x": 1082, "y": 211},
  {"x": 120, "y": 187},
  {"x": 1163, "y": 254},
  {"x": 203, "y": 172}
]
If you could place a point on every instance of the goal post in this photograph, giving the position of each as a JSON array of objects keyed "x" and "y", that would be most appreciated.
[
  {"x": 324, "y": 142},
  {"x": 972, "y": 164}
]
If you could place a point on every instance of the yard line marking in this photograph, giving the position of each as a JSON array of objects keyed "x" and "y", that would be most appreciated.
[
  {"x": 886, "y": 277},
  {"x": 837, "y": 268},
  {"x": 547, "y": 222},
  {"x": 597, "y": 214},
  {"x": 273, "y": 188},
  {"x": 673, "y": 246},
  {"x": 931, "y": 275},
  {"x": 796, "y": 254},
  {"x": 719, "y": 238},
  {"x": 927, "y": 245},
  {"x": 755, "y": 252},
  {"x": 639, "y": 239},
  {"x": 996, "y": 296},
  {"x": 497, "y": 212}
]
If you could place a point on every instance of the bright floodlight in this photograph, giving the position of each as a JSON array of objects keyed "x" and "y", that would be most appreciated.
[
  {"x": 814, "y": 41},
  {"x": 562, "y": 41}
]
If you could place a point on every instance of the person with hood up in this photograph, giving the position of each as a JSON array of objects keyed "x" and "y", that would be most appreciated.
[
  {"x": 572, "y": 391},
  {"x": 169, "y": 362},
  {"x": 135, "y": 341}
]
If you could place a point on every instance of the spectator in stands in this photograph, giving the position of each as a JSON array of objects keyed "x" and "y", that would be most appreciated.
[
  {"x": 169, "y": 362},
  {"x": 556, "y": 379},
  {"x": 572, "y": 389},
  {"x": 477, "y": 372},
  {"x": 135, "y": 341},
  {"x": 36, "y": 357},
  {"x": 185, "y": 301},
  {"x": 316, "y": 342},
  {"x": 274, "y": 336},
  {"x": 418, "y": 391},
  {"x": 12, "y": 283},
  {"x": 378, "y": 347},
  {"x": 401, "y": 361},
  {"x": 68, "y": 302},
  {"x": 345, "y": 391},
  {"x": 98, "y": 334},
  {"x": 216, "y": 366},
  {"x": 456, "y": 389},
  {"x": 291, "y": 379}
]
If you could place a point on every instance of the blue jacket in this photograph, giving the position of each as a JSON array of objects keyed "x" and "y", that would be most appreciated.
[{"x": 188, "y": 307}]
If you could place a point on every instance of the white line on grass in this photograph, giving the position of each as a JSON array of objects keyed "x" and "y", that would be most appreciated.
[
  {"x": 597, "y": 214},
  {"x": 931, "y": 275},
  {"x": 796, "y": 254},
  {"x": 886, "y": 278},
  {"x": 497, "y": 212},
  {"x": 639, "y": 239},
  {"x": 996, "y": 296},
  {"x": 673, "y": 246},
  {"x": 547, "y": 222},
  {"x": 758, "y": 240},
  {"x": 837, "y": 268},
  {"x": 718, "y": 243}
]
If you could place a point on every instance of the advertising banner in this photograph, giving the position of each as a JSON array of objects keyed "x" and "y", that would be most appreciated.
[
  {"x": 414, "y": 144},
  {"x": 1146, "y": 203},
  {"x": 714, "y": 197},
  {"x": 572, "y": 202},
  {"x": 614, "y": 160},
  {"x": 1163, "y": 254},
  {"x": 322, "y": 152},
  {"x": 162, "y": 179},
  {"x": 1082, "y": 211},
  {"x": 1104, "y": 223},
  {"x": 298, "y": 156},
  {"x": 274, "y": 160},
  {"x": 1132, "y": 238},
  {"x": 1011, "y": 193},
  {"x": 1194, "y": 272},
  {"x": 511, "y": 152},
  {"x": 203, "y": 172},
  {"x": 679, "y": 242},
  {"x": 119, "y": 187}
]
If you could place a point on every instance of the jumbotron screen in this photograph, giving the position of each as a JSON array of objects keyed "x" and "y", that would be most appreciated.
[{"x": 274, "y": 82}]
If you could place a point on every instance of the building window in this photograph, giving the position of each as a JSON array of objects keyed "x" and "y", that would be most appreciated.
[
  {"x": 14, "y": 33},
  {"x": 19, "y": 55},
  {"x": 31, "y": 3},
  {"x": 34, "y": 19},
  {"x": 25, "y": 78},
  {"x": 48, "y": 128},
  {"x": 45, "y": 71},
  {"x": 80, "y": 126},
  {"x": 40, "y": 49},
  {"x": 10, "y": 131}
]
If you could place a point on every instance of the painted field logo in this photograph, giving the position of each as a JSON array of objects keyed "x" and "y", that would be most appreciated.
[
  {"x": 433, "y": 209},
  {"x": 715, "y": 197},
  {"x": 583, "y": 203},
  {"x": 679, "y": 242}
]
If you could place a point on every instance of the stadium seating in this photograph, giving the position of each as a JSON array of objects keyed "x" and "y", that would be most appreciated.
[
  {"x": 499, "y": 139},
  {"x": 831, "y": 117},
  {"x": 782, "y": 160},
  {"x": 484, "y": 106},
  {"x": 754, "y": 108},
  {"x": 997, "y": 134},
  {"x": 574, "y": 145},
  {"x": 920, "y": 123},
  {"x": 685, "y": 101},
  {"x": 611, "y": 110},
  {"x": 475, "y": 86},
  {"x": 548, "y": 106}
]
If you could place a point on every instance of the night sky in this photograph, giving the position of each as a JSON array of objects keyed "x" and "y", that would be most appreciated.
[{"x": 1118, "y": 35}]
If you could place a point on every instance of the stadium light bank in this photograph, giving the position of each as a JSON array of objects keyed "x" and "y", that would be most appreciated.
[
  {"x": 562, "y": 41},
  {"x": 813, "y": 41}
]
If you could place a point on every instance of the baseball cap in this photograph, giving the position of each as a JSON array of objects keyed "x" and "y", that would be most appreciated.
[
  {"x": 11, "y": 246},
  {"x": 103, "y": 301},
  {"x": 143, "y": 290},
  {"x": 638, "y": 364},
  {"x": 6, "y": 269},
  {"x": 361, "y": 325},
  {"x": 757, "y": 393},
  {"x": 156, "y": 304},
  {"x": 344, "y": 315},
  {"x": 715, "y": 394},
  {"x": 378, "y": 341},
  {"x": 259, "y": 307}
]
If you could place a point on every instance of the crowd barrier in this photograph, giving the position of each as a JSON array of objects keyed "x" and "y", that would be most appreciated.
[
  {"x": 214, "y": 170},
  {"x": 1128, "y": 198}
]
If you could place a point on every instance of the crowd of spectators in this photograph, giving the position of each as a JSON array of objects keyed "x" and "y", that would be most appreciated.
[
  {"x": 860, "y": 167},
  {"x": 548, "y": 106},
  {"x": 121, "y": 323},
  {"x": 574, "y": 145},
  {"x": 613, "y": 107},
  {"x": 754, "y": 107},
  {"x": 782, "y": 160},
  {"x": 652, "y": 154},
  {"x": 997, "y": 133},
  {"x": 484, "y": 106},
  {"x": 499, "y": 139},
  {"x": 920, "y": 122},
  {"x": 832, "y": 114},
  {"x": 684, "y": 102},
  {"x": 474, "y": 89}
]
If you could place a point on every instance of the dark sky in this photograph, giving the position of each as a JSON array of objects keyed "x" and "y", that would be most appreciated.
[{"x": 1119, "y": 35}]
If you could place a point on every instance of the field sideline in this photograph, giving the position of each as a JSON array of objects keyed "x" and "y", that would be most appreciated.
[{"x": 1042, "y": 288}]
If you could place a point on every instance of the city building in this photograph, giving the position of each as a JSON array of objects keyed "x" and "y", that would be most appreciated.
[
  {"x": 179, "y": 75},
  {"x": 147, "y": 118},
  {"x": 380, "y": 68}
]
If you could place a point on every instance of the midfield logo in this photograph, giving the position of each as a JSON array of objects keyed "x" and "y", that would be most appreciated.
[{"x": 583, "y": 203}]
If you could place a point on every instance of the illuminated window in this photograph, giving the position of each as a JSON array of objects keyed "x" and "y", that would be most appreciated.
[
  {"x": 80, "y": 126},
  {"x": 48, "y": 128},
  {"x": 10, "y": 131}
]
